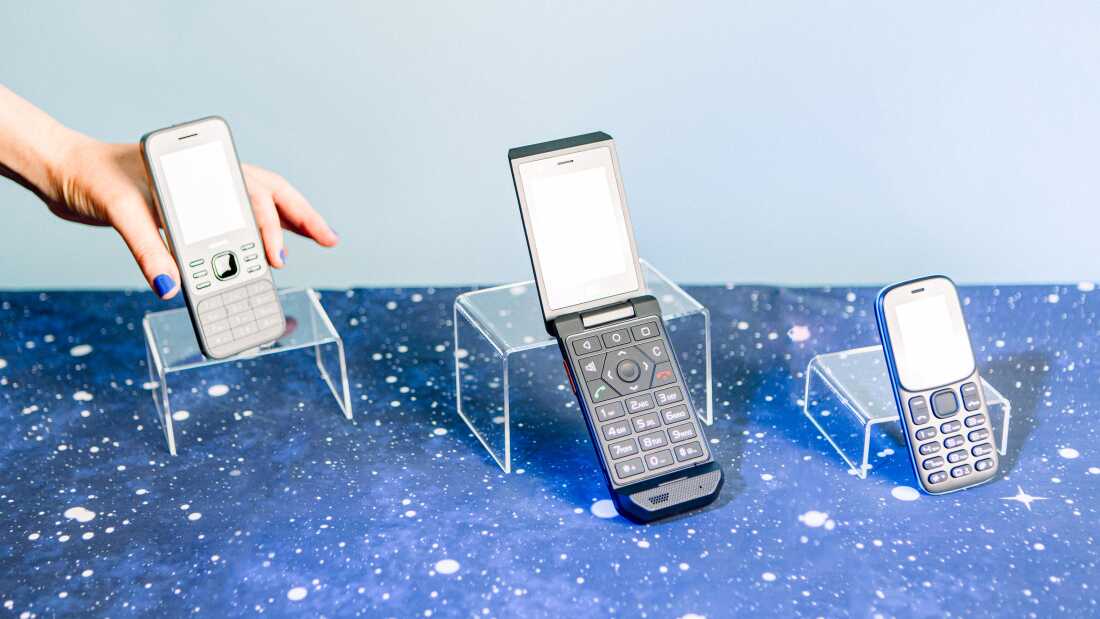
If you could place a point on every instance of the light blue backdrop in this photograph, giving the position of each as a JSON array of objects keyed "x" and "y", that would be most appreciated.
[{"x": 808, "y": 142}]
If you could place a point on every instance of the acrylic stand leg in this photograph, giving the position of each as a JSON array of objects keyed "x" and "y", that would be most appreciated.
[
  {"x": 848, "y": 398},
  {"x": 170, "y": 348},
  {"x": 493, "y": 324}
]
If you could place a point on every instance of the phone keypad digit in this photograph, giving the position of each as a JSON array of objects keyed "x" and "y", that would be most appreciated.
[{"x": 644, "y": 423}]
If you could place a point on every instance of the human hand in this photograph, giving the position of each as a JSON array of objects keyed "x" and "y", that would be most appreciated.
[{"x": 96, "y": 183}]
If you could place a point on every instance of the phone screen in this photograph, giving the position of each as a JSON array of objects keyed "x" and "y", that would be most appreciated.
[
  {"x": 931, "y": 347},
  {"x": 580, "y": 234},
  {"x": 200, "y": 184}
]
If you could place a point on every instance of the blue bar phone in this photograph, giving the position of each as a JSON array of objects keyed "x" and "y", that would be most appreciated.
[{"x": 936, "y": 384}]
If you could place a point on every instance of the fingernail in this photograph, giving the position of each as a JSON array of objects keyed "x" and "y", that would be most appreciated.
[
  {"x": 282, "y": 255},
  {"x": 163, "y": 284}
]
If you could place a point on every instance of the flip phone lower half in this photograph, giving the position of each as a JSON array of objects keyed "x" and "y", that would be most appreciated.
[{"x": 648, "y": 440}]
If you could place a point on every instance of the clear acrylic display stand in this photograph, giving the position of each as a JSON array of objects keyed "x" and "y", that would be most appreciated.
[
  {"x": 171, "y": 347},
  {"x": 493, "y": 325},
  {"x": 866, "y": 420}
]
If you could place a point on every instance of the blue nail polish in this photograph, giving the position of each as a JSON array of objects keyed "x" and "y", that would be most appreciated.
[
  {"x": 282, "y": 256},
  {"x": 163, "y": 284}
]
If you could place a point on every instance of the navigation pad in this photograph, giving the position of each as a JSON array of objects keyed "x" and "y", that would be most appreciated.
[{"x": 645, "y": 424}]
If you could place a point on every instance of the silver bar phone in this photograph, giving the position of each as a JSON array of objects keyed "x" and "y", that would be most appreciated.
[{"x": 200, "y": 194}]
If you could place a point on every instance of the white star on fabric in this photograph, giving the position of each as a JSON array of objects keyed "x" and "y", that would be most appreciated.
[{"x": 1023, "y": 497}]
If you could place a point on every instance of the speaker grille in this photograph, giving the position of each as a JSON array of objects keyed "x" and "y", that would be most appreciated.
[{"x": 676, "y": 492}]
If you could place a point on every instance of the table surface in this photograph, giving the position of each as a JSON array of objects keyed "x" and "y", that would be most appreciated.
[{"x": 276, "y": 504}]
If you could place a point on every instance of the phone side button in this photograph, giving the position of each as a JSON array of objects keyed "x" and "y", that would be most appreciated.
[{"x": 629, "y": 468}]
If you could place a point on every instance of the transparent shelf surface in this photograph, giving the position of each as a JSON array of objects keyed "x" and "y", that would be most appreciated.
[
  {"x": 171, "y": 347},
  {"x": 848, "y": 398},
  {"x": 493, "y": 327}
]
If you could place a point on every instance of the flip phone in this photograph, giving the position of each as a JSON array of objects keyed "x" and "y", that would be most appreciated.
[
  {"x": 617, "y": 356},
  {"x": 936, "y": 384},
  {"x": 199, "y": 191}
]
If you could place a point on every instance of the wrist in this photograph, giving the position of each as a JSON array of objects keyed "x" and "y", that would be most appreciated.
[{"x": 33, "y": 146}]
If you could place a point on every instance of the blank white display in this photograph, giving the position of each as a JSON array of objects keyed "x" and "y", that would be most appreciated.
[
  {"x": 580, "y": 233},
  {"x": 933, "y": 347},
  {"x": 203, "y": 196}
]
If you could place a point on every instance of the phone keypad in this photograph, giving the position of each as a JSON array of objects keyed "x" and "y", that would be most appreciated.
[
  {"x": 645, "y": 425},
  {"x": 239, "y": 313},
  {"x": 948, "y": 445}
]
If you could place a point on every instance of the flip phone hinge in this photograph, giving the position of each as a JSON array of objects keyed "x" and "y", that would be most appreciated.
[{"x": 604, "y": 316}]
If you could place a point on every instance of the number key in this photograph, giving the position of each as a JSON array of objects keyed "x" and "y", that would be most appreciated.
[
  {"x": 646, "y": 422},
  {"x": 607, "y": 412},
  {"x": 623, "y": 449},
  {"x": 659, "y": 459},
  {"x": 671, "y": 395},
  {"x": 616, "y": 430}
]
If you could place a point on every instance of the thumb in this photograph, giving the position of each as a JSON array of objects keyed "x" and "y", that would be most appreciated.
[{"x": 138, "y": 228}]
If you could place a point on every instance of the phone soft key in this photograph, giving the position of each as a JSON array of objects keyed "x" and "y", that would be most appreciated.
[
  {"x": 936, "y": 384},
  {"x": 201, "y": 197},
  {"x": 619, "y": 362}
]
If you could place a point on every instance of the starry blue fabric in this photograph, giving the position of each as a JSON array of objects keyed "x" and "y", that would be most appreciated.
[{"x": 276, "y": 504}]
